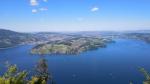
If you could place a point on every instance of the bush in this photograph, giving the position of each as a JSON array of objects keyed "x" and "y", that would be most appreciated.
[{"x": 14, "y": 76}]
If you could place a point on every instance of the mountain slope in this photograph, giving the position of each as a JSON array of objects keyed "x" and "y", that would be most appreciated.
[{"x": 10, "y": 38}]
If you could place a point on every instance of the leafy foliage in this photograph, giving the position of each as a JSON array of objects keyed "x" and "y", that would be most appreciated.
[
  {"x": 146, "y": 75},
  {"x": 14, "y": 76},
  {"x": 42, "y": 69}
]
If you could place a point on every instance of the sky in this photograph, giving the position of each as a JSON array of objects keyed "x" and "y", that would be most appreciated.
[{"x": 74, "y": 15}]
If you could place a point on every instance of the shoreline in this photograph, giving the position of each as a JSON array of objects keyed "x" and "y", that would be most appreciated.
[
  {"x": 8, "y": 47},
  {"x": 16, "y": 46},
  {"x": 19, "y": 45}
]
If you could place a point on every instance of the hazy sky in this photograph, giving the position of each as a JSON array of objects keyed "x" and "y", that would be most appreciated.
[{"x": 74, "y": 15}]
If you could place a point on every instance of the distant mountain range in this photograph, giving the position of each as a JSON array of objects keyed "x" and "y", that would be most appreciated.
[{"x": 10, "y": 38}]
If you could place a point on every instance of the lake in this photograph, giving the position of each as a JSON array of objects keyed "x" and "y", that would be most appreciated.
[{"x": 116, "y": 64}]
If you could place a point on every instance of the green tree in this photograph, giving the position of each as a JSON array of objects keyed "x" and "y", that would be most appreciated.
[
  {"x": 14, "y": 76},
  {"x": 146, "y": 75},
  {"x": 42, "y": 71}
]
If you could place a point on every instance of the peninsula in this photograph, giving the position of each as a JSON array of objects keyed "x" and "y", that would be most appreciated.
[{"x": 70, "y": 46}]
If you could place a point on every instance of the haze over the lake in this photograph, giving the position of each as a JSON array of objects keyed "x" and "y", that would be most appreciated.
[{"x": 74, "y": 15}]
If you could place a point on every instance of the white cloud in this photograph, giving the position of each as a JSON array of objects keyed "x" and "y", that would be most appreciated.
[
  {"x": 34, "y": 10},
  {"x": 45, "y": 0},
  {"x": 94, "y": 9},
  {"x": 34, "y": 2},
  {"x": 43, "y": 9}
]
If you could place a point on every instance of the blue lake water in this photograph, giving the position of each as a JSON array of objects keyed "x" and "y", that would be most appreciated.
[{"x": 116, "y": 64}]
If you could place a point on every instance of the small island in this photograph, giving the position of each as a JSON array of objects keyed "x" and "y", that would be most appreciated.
[{"x": 70, "y": 46}]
